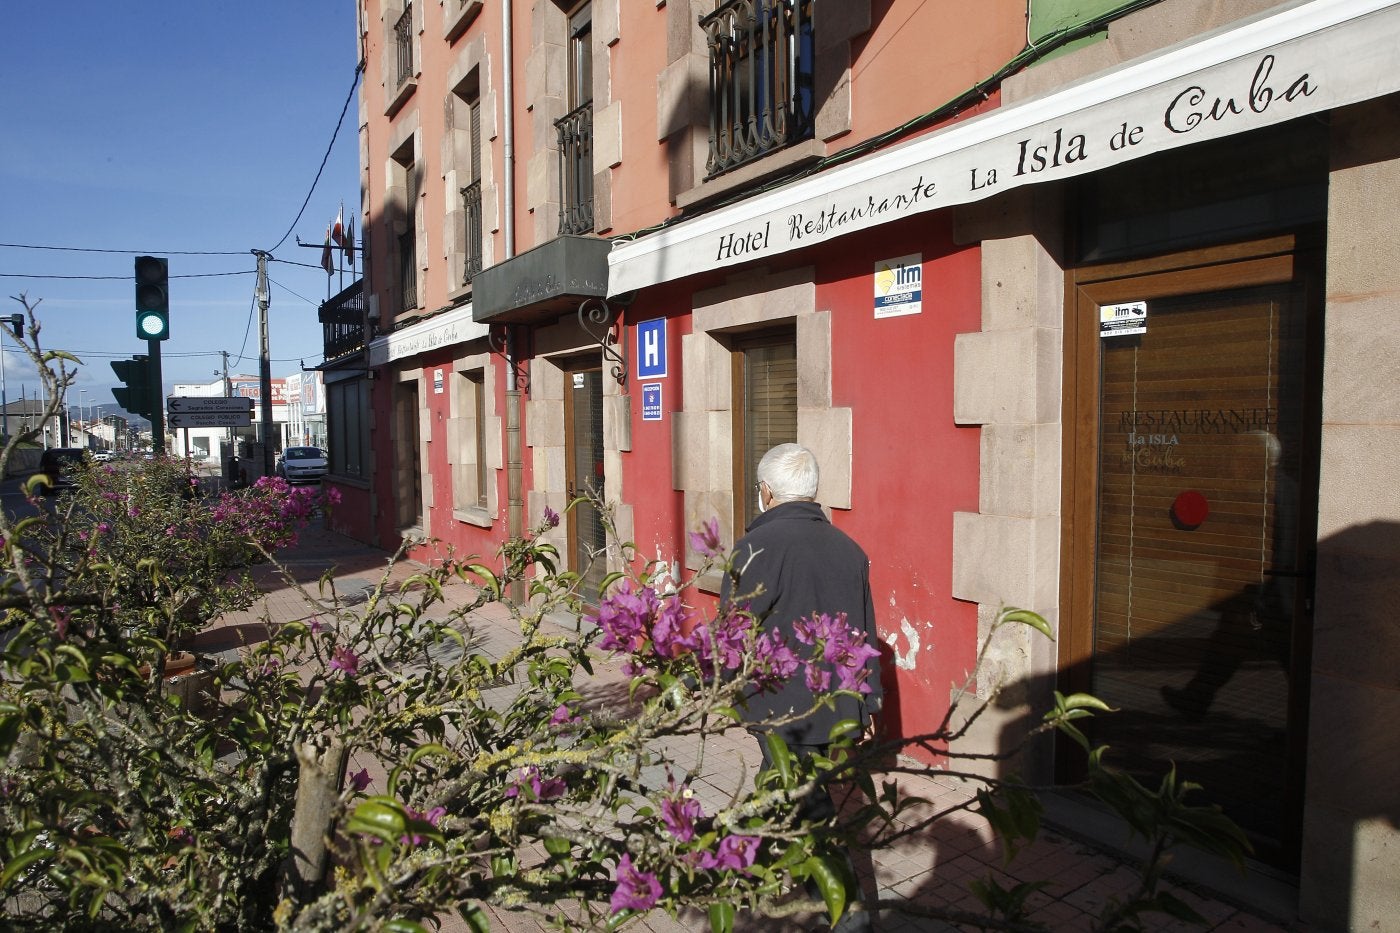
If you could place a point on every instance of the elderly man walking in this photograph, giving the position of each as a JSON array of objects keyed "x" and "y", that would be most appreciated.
[{"x": 792, "y": 562}]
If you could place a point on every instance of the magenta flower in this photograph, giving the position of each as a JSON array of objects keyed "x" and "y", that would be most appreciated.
[
  {"x": 706, "y": 541},
  {"x": 818, "y": 679},
  {"x": 314, "y": 625},
  {"x": 538, "y": 789},
  {"x": 679, "y": 813},
  {"x": 774, "y": 661},
  {"x": 345, "y": 661},
  {"x": 625, "y": 617},
  {"x": 562, "y": 717},
  {"x": 60, "y": 615},
  {"x": 360, "y": 779},
  {"x": 431, "y": 818},
  {"x": 735, "y": 853},
  {"x": 842, "y": 647},
  {"x": 551, "y": 518},
  {"x": 668, "y": 636},
  {"x": 636, "y": 890}
]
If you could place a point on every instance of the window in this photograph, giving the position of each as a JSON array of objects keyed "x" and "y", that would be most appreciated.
[
  {"x": 403, "y": 44},
  {"x": 761, "y": 93},
  {"x": 471, "y": 195},
  {"x": 765, "y": 409},
  {"x": 472, "y": 478},
  {"x": 576, "y": 130},
  {"x": 402, "y": 213},
  {"x": 347, "y": 409}
]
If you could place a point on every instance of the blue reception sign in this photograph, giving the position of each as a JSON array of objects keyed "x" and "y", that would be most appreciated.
[
  {"x": 651, "y": 401},
  {"x": 651, "y": 349}
]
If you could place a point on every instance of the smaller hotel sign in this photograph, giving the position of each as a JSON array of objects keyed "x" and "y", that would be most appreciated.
[{"x": 899, "y": 286}]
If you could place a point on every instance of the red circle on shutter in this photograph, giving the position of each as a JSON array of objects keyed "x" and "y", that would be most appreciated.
[{"x": 1190, "y": 508}]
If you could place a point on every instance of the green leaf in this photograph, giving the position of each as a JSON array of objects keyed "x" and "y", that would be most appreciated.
[
  {"x": 20, "y": 862},
  {"x": 782, "y": 758},
  {"x": 1026, "y": 617},
  {"x": 400, "y": 925},
  {"x": 557, "y": 846},
  {"x": 489, "y": 579},
  {"x": 1175, "y": 907},
  {"x": 381, "y": 817},
  {"x": 1084, "y": 701},
  {"x": 844, "y": 728},
  {"x": 431, "y": 749},
  {"x": 826, "y": 871},
  {"x": 475, "y": 917},
  {"x": 722, "y": 917},
  {"x": 609, "y": 580}
]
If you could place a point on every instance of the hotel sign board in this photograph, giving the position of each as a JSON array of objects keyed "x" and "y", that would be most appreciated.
[{"x": 1304, "y": 59}]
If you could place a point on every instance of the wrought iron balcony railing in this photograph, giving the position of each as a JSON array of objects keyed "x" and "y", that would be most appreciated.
[
  {"x": 471, "y": 210},
  {"x": 343, "y": 321},
  {"x": 761, "y": 95},
  {"x": 576, "y": 170},
  {"x": 403, "y": 40}
]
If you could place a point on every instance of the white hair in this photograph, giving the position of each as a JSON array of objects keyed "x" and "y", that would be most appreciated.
[{"x": 790, "y": 472}]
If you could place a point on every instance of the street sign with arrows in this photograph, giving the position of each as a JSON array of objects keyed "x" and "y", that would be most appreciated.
[{"x": 208, "y": 404}]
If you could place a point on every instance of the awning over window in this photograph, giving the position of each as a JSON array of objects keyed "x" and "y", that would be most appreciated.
[{"x": 1305, "y": 58}]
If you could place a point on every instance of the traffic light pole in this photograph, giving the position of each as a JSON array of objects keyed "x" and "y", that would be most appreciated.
[{"x": 157, "y": 396}]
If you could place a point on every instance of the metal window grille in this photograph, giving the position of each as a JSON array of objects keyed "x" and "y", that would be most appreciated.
[
  {"x": 576, "y": 170},
  {"x": 761, "y": 58},
  {"x": 403, "y": 39},
  {"x": 471, "y": 208},
  {"x": 408, "y": 270}
]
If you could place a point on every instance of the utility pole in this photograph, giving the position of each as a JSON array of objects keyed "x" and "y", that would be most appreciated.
[
  {"x": 228, "y": 391},
  {"x": 264, "y": 363}
]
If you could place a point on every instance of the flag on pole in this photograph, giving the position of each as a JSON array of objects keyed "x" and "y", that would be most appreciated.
[
  {"x": 337, "y": 230},
  {"x": 326, "y": 262},
  {"x": 349, "y": 243}
]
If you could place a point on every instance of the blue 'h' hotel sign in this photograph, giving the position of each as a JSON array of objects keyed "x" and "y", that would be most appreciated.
[{"x": 651, "y": 348}]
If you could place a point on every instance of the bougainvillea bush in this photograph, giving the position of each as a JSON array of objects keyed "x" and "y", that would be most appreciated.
[{"x": 508, "y": 779}]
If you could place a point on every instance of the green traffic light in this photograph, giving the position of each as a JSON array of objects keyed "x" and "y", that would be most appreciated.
[{"x": 152, "y": 298}]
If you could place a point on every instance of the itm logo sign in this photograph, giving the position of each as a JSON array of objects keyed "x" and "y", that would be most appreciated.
[{"x": 899, "y": 286}]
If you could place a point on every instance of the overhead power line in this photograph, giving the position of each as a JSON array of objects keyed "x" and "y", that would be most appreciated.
[
  {"x": 324, "y": 159},
  {"x": 118, "y": 278},
  {"x": 133, "y": 252}
]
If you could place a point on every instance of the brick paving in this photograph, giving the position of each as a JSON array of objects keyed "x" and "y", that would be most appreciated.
[{"x": 932, "y": 869}]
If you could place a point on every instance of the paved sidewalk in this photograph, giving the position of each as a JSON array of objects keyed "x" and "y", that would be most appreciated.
[{"x": 932, "y": 869}]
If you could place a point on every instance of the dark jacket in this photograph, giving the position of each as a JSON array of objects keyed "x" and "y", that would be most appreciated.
[{"x": 803, "y": 564}]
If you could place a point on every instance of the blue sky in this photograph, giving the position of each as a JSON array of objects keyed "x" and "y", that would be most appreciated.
[{"x": 160, "y": 126}]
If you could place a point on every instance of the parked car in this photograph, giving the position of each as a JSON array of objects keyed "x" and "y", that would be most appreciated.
[
  {"x": 302, "y": 465},
  {"x": 56, "y": 467},
  {"x": 103, "y": 456}
]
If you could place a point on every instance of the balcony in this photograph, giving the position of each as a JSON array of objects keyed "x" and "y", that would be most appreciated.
[
  {"x": 343, "y": 322},
  {"x": 471, "y": 211},
  {"x": 576, "y": 170},
  {"x": 761, "y": 65}
]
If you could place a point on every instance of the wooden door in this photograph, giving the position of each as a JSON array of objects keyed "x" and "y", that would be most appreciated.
[
  {"x": 1190, "y": 511},
  {"x": 583, "y": 442}
]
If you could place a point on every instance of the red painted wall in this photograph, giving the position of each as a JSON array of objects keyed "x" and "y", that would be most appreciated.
[{"x": 912, "y": 466}]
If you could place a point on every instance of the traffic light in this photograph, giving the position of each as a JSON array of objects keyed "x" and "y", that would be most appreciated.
[
  {"x": 136, "y": 396},
  {"x": 152, "y": 298}
]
